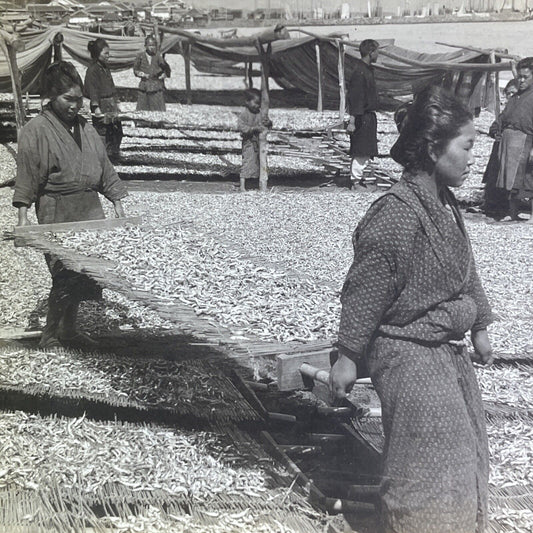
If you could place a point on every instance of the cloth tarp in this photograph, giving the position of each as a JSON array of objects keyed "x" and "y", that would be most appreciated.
[
  {"x": 123, "y": 50},
  {"x": 293, "y": 63},
  {"x": 31, "y": 62}
]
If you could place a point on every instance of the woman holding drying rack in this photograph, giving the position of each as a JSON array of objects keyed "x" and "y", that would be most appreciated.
[
  {"x": 62, "y": 165},
  {"x": 410, "y": 296}
]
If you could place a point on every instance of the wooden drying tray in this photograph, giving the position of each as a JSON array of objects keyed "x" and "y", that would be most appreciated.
[{"x": 23, "y": 234}]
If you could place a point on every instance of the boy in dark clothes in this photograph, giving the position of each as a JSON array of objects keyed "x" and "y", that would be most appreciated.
[{"x": 251, "y": 125}]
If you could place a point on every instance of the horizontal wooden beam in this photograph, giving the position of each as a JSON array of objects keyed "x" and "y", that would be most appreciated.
[{"x": 272, "y": 34}]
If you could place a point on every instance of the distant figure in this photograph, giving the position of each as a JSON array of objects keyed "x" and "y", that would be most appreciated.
[
  {"x": 362, "y": 105},
  {"x": 100, "y": 88},
  {"x": 515, "y": 173},
  {"x": 496, "y": 199},
  {"x": 152, "y": 68},
  {"x": 250, "y": 125}
]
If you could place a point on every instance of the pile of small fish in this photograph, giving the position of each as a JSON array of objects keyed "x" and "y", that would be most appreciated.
[
  {"x": 272, "y": 265},
  {"x": 188, "y": 387},
  {"x": 86, "y": 455}
]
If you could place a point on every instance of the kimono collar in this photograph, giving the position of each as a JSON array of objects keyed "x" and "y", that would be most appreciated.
[
  {"x": 445, "y": 205},
  {"x": 62, "y": 128},
  {"x": 443, "y": 232}
]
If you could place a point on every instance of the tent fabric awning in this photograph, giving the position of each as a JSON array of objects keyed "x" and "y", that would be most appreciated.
[
  {"x": 293, "y": 62},
  {"x": 31, "y": 62}
]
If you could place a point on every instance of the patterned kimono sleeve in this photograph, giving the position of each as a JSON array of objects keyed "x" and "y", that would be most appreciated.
[
  {"x": 29, "y": 161},
  {"x": 372, "y": 283},
  {"x": 474, "y": 289}
]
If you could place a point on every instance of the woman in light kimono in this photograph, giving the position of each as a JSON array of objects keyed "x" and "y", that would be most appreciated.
[
  {"x": 410, "y": 296},
  {"x": 62, "y": 165}
]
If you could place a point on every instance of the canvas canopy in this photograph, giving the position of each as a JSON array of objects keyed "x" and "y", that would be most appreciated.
[
  {"x": 31, "y": 62},
  {"x": 293, "y": 62}
]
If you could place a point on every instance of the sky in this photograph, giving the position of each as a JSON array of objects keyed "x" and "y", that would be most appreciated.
[{"x": 356, "y": 6}]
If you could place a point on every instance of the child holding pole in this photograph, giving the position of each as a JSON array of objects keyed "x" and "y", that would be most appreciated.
[{"x": 250, "y": 126}]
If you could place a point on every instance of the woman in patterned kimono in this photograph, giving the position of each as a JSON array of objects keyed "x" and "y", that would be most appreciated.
[
  {"x": 100, "y": 89},
  {"x": 62, "y": 165},
  {"x": 409, "y": 298},
  {"x": 152, "y": 68}
]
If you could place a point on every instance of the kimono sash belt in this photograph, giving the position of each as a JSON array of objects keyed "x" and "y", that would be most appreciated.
[{"x": 446, "y": 322}]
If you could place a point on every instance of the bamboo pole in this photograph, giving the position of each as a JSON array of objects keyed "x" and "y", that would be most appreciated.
[
  {"x": 187, "y": 58},
  {"x": 156, "y": 33},
  {"x": 9, "y": 45},
  {"x": 265, "y": 102},
  {"x": 250, "y": 75},
  {"x": 320, "y": 76},
  {"x": 246, "y": 82},
  {"x": 342, "y": 82},
  {"x": 279, "y": 32},
  {"x": 496, "y": 87},
  {"x": 501, "y": 55}
]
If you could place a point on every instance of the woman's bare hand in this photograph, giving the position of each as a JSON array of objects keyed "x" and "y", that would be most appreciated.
[
  {"x": 482, "y": 348},
  {"x": 342, "y": 377}
]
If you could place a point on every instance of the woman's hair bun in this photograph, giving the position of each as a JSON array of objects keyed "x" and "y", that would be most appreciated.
[{"x": 434, "y": 118}]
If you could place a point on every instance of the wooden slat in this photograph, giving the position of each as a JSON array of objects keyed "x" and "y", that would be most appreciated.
[
  {"x": 9, "y": 334},
  {"x": 82, "y": 225},
  {"x": 288, "y": 367}
]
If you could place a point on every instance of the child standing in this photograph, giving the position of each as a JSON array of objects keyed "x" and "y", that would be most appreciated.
[{"x": 250, "y": 126}]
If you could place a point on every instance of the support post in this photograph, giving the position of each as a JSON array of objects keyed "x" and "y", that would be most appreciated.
[
  {"x": 250, "y": 75},
  {"x": 58, "y": 47},
  {"x": 187, "y": 58},
  {"x": 342, "y": 82},
  {"x": 320, "y": 76},
  {"x": 496, "y": 87},
  {"x": 265, "y": 103},
  {"x": 9, "y": 45},
  {"x": 156, "y": 34}
]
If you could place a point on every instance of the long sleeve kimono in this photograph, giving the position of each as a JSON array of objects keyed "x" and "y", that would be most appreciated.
[
  {"x": 100, "y": 89},
  {"x": 151, "y": 88},
  {"x": 410, "y": 296},
  {"x": 62, "y": 174},
  {"x": 516, "y": 167},
  {"x": 362, "y": 96}
]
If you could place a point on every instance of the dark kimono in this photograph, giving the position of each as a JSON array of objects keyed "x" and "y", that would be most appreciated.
[
  {"x": 516, "y": 164},
  {"x": 62, "y": 173},
  {"x": 100, "y": 88},
  {"x": 410, "y": 296},
  {"x": 247, "y": 123},
  {"x": 151, "y": 90},
  {"x": 363, "y": 102},
  {"x": 495, "y": 199}
]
